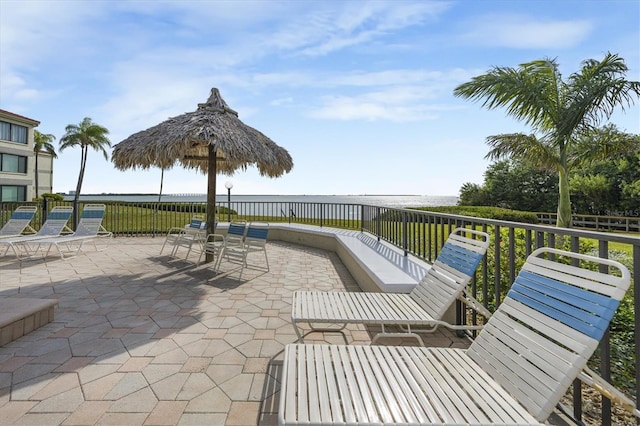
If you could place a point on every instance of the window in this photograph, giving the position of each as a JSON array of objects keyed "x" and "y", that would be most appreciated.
[
  {"x": 13, "y": 193},
  {"x": 13, "y": 132},
  {"x": 13, "y": 163}
]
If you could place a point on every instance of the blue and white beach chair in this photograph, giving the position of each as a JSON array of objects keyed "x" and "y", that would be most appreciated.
[
  {"x": 515, "y": 372},
  {"x": 89, "y": 228},
  {"x": 443, "y": 284},
  {"x": 55, "y": 225},
  {"x": 19, "y": 222}
]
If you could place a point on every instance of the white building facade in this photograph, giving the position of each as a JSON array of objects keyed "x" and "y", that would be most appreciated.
[{"x": 18, "y": 162}]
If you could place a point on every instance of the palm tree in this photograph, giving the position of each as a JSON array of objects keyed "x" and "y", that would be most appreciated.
[
  {"x": 86, "y": 135},
  {"x": 42, "y": 142},
  {"x": 558, "y": 111}
]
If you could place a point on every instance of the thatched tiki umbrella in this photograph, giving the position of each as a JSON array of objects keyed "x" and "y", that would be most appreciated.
[{"x": 211, "y": 139}]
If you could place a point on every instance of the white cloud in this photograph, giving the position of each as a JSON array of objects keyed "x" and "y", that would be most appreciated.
[
  {"x": 397, "y": 104},
  {"x": 525, "y": 32}
]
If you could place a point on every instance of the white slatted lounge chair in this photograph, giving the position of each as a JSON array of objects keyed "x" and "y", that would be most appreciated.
[
  {"x": 425, "y": 306},
  {"x": 515, "y": 371},
  {"x": 255, "y": 240},
  {"x": 19, "y": 222},
  {"x": 89, "y": 228},
  {"x": 186, "y": 236},
  {"x": 54, "y": 225},
  {"x": 234, "y": 240},
  {"x": 213, "y": 245}
]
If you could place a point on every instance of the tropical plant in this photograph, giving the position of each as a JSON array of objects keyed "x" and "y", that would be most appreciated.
[
  {"x": 559, "y": 112},
  {"x": 86, "y": 135},
  {"x": 42, "y": 142}
]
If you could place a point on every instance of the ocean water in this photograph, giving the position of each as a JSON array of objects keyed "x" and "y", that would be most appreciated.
[{"x": 396, "y": 201}]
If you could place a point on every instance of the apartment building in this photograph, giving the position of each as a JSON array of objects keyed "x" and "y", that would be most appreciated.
[{"x": 18, "y": 161}]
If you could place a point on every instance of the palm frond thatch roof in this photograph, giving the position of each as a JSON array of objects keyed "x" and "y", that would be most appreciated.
[{"x": 185, "y": 140}]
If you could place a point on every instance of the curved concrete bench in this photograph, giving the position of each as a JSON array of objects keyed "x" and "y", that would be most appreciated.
[
  {"x": 375, "y": 265},
  {"x": 19, "y": 316}
]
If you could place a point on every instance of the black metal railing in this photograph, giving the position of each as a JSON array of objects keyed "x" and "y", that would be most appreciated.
[{"x": 421, "y": 234}]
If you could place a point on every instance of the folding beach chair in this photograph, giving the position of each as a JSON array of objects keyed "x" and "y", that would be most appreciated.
[
  {"x": 192, "y": 233},
  {"x": 515, "y": 371},
  {"x": 54, "y": 225},
  {"x": 443, "y": 284},
  {"x": 89, "y": 228},
  {"x": 19, "y": 222},
  {"x": 254, "y": 241}
]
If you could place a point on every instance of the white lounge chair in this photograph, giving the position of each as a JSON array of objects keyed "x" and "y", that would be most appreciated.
[
  {"x": 19, "y": 222},
  {"x": 255, "y": 240},
  {"x": 89, "y": 228},
  {"x": 193, "y": 232},
  {"x": 425, "y": 306},
  {"x": 515, "y": 371},
  {"x": 213, "y": 245},
  {"x": 55, "y": 225}
]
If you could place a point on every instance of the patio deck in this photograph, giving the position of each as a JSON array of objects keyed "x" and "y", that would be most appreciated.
[{"x": 144, "y": 339}]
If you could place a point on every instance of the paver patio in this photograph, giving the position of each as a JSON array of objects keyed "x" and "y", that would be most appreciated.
[{"x": 144, "y": 339}]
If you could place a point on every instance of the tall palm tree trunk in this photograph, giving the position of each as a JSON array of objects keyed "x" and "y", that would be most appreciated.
[
  {"x": 564, "y": 200},
  {"x": 76, "y": 198}
]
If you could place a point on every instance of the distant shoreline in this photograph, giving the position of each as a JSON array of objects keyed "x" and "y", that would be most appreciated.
[{"x": 151, "y": 194}]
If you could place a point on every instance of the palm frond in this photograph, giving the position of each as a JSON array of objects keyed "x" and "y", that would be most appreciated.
[
  {"x": 526, "y": 148},
  {"x": 595, "y": 92},
  {"x": 530, "y": 92},
  {"x": 603, "y": 144}
]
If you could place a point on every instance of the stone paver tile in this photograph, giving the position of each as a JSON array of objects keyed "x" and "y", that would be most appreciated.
[
  {"x": 196, "y": 384},
  {"x": 13, "y": 363},
  {"x": 12, "y": 412},
  {"x": 165, "y": 332},
  {"x": 166, "y": 413},
  {"x": 26, "y": 390},
  {"x": 97, "y": 389},
  {"x": 221, "y": 373},
  {"x": 197, "y": 419},
  {"x": 197, "y": 348},
  {"x": 95, "y": 371},
  {"x": 270, "y": 313},
  {"x": 135, "y": 364},
  {"x": 228, "y": 313},
  {"x": 196, "y": 365},
  {"x": 62, "y": 402},
  {"x": 212, "y": 401},
  {"x": 41, "y": 419},
  {"x": 162, "y": 346},
  {"x": 243, "y": 413},
  {"x": 142, "y": 401},
  {"x": 62, "y": 383},
  {"x": 264, "y": 334},
  {"x": 115, "y": 333},
  {"x": 176, "y": 356},
  {"x": 167, "y": 389},
  {"x": 156, "y": 372},
  {"x": 120, "y": 419},
  {"x": 130, "y": 383},
  {"x": 256, "y": 365},
  {"x": 31, "y": 371},
  {"x": 238, "y": 387},
  {"x": 74, "y": 364},
  {"x": 88, "y": 413}
]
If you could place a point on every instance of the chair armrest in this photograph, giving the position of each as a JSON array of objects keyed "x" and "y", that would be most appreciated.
[{"x": 590, "y": 377}]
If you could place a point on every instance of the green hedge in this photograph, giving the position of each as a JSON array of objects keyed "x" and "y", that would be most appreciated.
[{"x": 485, "y": 212}]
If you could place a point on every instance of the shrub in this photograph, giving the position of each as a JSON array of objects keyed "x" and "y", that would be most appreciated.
[{"x": 485, "y": 212}]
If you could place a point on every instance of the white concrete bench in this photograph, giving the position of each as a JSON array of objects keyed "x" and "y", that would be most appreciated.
[
  {"x": 375, "y": 265},
  {"x": 19, "y": 316}
]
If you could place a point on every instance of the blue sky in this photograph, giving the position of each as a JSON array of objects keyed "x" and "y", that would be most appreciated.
[{"x": 359, "y": 93}]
